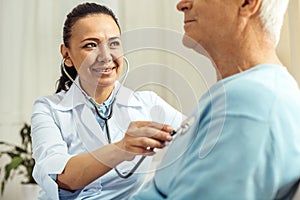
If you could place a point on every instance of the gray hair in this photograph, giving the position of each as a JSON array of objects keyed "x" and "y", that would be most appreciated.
[{"x": 272, "y": 15}]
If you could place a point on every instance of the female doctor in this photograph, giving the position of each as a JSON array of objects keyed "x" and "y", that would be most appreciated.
[{"x": 93, "y": 124}]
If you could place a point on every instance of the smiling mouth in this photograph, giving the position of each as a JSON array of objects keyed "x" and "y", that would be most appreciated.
[{"x": 104, "y": 70}]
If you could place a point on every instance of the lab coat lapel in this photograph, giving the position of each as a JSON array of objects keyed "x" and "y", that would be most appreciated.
[
  {"x": 126, "y": 97},
  {"x": 88, "y": 129}
]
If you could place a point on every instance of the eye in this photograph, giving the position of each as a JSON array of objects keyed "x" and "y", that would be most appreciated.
[
  {"x": 90, "y": 45},
  {"x": 115, "y": 44}
]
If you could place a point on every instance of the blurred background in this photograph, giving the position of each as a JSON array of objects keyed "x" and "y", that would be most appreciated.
[{"x": 30, "y": 38}]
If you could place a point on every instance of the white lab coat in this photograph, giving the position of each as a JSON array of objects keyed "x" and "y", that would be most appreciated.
[{"x": 64, "y": 125}]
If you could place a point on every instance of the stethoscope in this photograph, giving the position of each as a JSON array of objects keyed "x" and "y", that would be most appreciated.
[
  {"x": 109, "y": 115},
  {"x": 181, "y": 130}
]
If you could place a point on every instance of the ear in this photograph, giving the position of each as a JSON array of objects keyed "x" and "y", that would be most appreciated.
[
  {"x": 65, "y": 54},
  {"x": 249, "y": 7}
]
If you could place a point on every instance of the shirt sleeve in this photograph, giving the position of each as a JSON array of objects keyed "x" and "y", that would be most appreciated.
[{"x": 49, "y": 150}]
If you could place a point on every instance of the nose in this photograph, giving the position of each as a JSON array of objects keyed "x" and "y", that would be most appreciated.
[
  {"x": 184, "y": 5},
  {"x": 104, "y": 55}
]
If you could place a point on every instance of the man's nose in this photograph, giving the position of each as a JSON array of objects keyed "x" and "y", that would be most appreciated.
[{"x": 184, "y": 5}]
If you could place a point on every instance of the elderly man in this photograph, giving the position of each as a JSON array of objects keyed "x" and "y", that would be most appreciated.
[{"x": 244, "y": 143}]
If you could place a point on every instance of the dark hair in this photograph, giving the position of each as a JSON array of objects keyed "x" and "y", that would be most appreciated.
[{"x": 80, "y": 11}]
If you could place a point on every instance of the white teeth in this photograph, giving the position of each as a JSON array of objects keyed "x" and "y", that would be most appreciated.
[{"x": 103, "y": 70}]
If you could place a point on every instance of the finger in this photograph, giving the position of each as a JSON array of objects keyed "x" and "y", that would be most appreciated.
[
  {"x": 149, "y": 143},
  {"x": 150, "y": 133},
  {"x": 129, "y": 152},
  {"x": 156, "y": 125},
  {"x": 138, "y": 150},
  {"x": 163, "y": 127},
  {"x": 157, "y": 134}
]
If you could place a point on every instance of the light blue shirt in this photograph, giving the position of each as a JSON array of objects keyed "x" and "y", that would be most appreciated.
[
  {"x": 65, "y": 124},
  {"x": 244, "y": 145},
  {"x": 104, "y": 109}
]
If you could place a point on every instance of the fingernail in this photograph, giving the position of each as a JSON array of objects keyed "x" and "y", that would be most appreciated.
[
  {"x": 169, "y": 128},
  {"x": 169, "y": 137}
]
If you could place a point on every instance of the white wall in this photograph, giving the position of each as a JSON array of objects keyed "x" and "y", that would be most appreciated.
[{"x": 289, "y": 46}]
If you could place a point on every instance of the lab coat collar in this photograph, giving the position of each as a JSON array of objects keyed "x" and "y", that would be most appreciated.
[
  {"x": 74, "y": 97},
  {"x": 126, "y": 97}
]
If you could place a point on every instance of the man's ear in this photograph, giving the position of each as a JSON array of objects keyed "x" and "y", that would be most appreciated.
[
  {"x": 249, "y": 7},
  {"x": 65, "y": 54}
]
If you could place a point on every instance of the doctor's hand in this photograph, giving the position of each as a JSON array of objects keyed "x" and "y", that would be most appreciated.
[{"x": 142, "y": 137}]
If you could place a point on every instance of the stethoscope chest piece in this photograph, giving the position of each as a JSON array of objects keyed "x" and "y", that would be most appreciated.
[{"x": 184, "y": 127}]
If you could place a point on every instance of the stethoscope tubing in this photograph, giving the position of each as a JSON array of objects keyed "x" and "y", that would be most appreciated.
[
  {"x": 181, "y": 130},
  {"x": 106, "y": 118}
]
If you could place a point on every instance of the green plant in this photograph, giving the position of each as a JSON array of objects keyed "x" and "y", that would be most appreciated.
[{"x": 20, "y": 158}]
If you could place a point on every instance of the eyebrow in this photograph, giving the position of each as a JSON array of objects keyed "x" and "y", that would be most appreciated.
[{"x": 97, "y": 40}]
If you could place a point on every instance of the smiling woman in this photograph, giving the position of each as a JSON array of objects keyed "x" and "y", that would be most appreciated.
[
  {"x": 95, "y": 51},
  {"x": 75, "y": 148}
]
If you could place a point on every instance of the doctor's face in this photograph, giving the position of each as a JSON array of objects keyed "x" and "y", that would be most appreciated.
[
  {"x": 95, "y": 50},
  {"x": 208, "y": 22}
]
